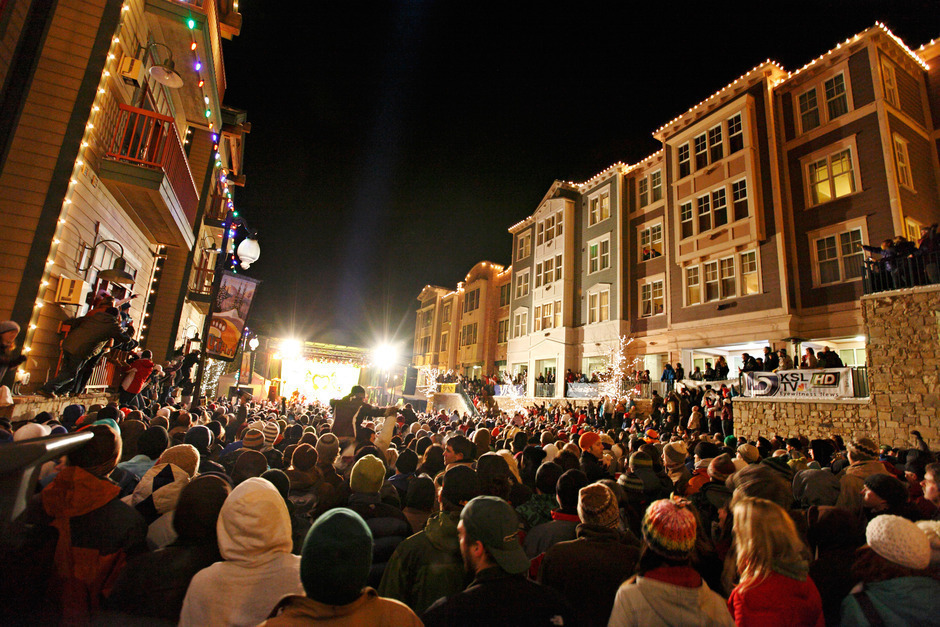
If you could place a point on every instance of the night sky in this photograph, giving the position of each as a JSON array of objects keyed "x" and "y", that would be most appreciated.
[{"x": 393, "y": 143}]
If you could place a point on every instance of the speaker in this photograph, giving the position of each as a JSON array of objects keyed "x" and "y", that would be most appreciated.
[{"x": 411, "y": 381}]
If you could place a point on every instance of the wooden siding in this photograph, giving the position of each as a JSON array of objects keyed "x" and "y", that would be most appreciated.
[
  {"x": 11, "y": 30},
  {"x": 863, "y": 89},
  {"x": 922, "y": 204},
  {"x": 909, "y": 95}
]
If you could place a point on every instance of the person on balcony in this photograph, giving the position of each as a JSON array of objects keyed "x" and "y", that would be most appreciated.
[
  {"x": 87, "y": 336},
  {"x": 722, "y": 369},
  {"x": 9, "y": 360},
  {"x": 928, "y": 249},
  {"x": 668, "y": 377},
  {"x": 785, "y": 361},
  {"x": 809, "y": 361}
]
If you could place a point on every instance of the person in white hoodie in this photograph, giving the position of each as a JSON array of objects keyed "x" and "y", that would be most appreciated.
[{"x": 258, "y": 570}]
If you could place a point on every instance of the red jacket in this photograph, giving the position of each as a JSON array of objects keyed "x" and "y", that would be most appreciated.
[{"x": 779, "y": 601}]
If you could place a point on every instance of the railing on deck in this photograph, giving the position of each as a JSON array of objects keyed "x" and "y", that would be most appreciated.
[
  {"x": 203, "y": 274},
  {"x": 150, "y": 139},
  {"x": 899, "y": 273},
  {"x": 545, "y": 390}
]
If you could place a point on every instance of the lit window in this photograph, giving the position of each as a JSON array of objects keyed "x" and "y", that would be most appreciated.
[
  {"x": 605, "y": 254},
  {"x": 599, "y": 307},
  {"x": 540, "y": 234},
  {"x": 557, "y": 310},
  {"x": 549, "y": 229},
  {"x": 538, "y": 274},
  {"x": 831, "y": 177},
  {"x": 522, "y": 284},
  {"x": 524, "y": 245},
  {"x": 549, "y": 266},
  {"x": 520, "y": 324},
  {"x": 594, "y": 258},
  {"x": 711, "y": 281},
  {"x": 913, "y": 230},
  {"x": 704, "y": 214},
  {"x": 739, "y": 199},
  {"x": 728, "y": 288},
  {"x": 685, "y": 160},
  {"x": 903, "y": 162},
  {"x": 809, "y": 110},
  {"x": 559, "y": 221},
  {"x": 592, "y": 308},
  {"x": 685, "y": 220},
  {"x": 836, "y": 99},
  {"x": 701, "y": 151},
  {"x": 749, "y": 277},
  {"x": 546, "y": 316},
  {"x": 720, "y": 207},
  {"x": 715, "y": 148},
  {"x": 693, "y": 288},
  {"x": 656, "y": 185},
  {"x": 599, "y": 208},
  {"x": 644, "y": 188},
  {"x": 558, "y": 267},
  {"x": 652, "y": 299},
  {"x": 890, "y": 82},
  {"x": 735, "y": 134},
  {"x": 651, "y": 242}
]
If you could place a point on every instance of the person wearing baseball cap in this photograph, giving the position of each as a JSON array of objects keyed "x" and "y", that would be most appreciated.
[{"x": 499, "y": 593}]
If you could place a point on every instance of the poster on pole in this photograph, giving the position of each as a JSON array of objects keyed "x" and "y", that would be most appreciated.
[
  {"x": 229, "y": 313},
  {"x": 828, "y": 383},
  {"x": 244, "y": 372}
]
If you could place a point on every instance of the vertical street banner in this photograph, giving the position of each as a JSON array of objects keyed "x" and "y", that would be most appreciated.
[
  {"x": 828, "y": 383},
  {"x": 229, "y": 313},
  {"x": 244, "y": 372}
]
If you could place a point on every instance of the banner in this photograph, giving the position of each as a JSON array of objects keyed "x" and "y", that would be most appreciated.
[
  {"x": 827, "y": 383},
  {"x": 229, "y": 314},
  {"x": 448, "y": 388},
  {"x": 244, "y": 372},
  {"x": 509, "y": 390},
  {"x": 583, "y": 390}
]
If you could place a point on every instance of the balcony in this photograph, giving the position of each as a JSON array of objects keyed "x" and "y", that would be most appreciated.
[
  {"x": 901, "y": 272},
  {"x": 200, "y": 281},
  {"x": 148, "y": 173}
]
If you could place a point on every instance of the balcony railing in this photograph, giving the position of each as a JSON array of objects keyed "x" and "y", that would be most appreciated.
[
  {"x": 150, "y": 140},
  {"x": 203, "y": 274},
  {"x": 903, "y": 272}
]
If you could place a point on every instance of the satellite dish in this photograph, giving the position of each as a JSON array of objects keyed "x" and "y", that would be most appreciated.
[{"x": 165, "y": 74}]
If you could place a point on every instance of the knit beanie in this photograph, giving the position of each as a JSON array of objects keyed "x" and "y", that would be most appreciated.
[
  {"x": 200, "y": 437},
  {"x": 707, "y": 450},
  {"x": 730, "y": 441},
  {"x": 367, "y": 475},
  {"x": 198, "y": 507},
  {"x": 899, "y": 540},
  {"x": 675, "y": 453},
  {"x": 249, "y": 464},
  {"x": 749, "y": 453},
  {"x": 153, "y": 442},
  {"x": 931, "y": 529},
  {"x": 336, "y": 557},
  {"x": 279, "y": 480},
  {"x": 407, "y": 461},
  {"x": 640, "y": 460},
  {"x": 597, "y": 505},
  {"x": 270, "y": 431},
  {"x": 253, "y": 439},
  {"x": 669, "y": 528},
  {"x": 721, "y": 467},
  {"x": 892, "y": 490},
  {"x": 100, "y": 454},
  {"x": 587, "y": 440},
  {"x": 184, "y": 456},
  {"x": 461, "y": 484},
  {"x": 863, "y": 449},
  {"x": 131, "y": 430},
  {"x": 304, "y": 458},
  {"x": 327, "y": 448}
]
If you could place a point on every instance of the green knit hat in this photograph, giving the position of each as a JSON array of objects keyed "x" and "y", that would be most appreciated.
[
  {"x": 336, "y": 557},
  {"x": 367, "y": 475}
]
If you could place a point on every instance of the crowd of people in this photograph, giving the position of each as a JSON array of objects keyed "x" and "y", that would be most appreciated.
[
  {"x": 903, "y": 263},
  {"x": 242, "y": 513}
]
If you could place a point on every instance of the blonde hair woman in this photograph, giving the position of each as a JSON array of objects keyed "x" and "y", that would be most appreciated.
[{"x": 773, "y": 567}]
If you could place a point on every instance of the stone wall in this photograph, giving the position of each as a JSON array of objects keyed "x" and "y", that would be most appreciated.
[{"x": 903, "y": 329}]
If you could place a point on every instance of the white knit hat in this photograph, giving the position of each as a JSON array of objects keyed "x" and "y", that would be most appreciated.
[
  {"x": 899, "y": 540},
  {"x": 931, "y": 529}
]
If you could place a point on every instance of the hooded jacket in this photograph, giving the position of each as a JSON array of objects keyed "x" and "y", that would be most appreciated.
[
  {"x": 369, "y": 609},
  {"x": 426, "y": 566},
  {"x": 852, "y": 480},
  {"x": 899, "y": 601},
  {"x": 254, "y": 532},
  {"x": 652, "y": 602},
  {"x": 89, "y": 334}
]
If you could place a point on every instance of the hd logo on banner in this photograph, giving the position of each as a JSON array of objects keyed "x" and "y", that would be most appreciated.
[{"x": 829, "y": 383}]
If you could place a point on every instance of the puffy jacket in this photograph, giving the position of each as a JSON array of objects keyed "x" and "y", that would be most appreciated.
[
  {"x": 254, "y": 532},
  {"x": 652, "y": 602},
  {"x": 388, "y": 526},
  {"x": 778, "y": 600},
  {"x": 852, "y": 480},
  {"x": 900, "y": 601},
  {"x": 89, "y": 334},
  {"x": 426, "y": 566},
  {"x": 369, "y": 609}
]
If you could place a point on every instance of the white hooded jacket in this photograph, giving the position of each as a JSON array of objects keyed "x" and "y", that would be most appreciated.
[
  {"x": 649, "y": 602},
  {"x": 254, "y": 533}
]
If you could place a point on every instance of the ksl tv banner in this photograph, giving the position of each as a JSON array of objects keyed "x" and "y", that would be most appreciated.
[
  {"x": 229, "y": 313},
  {"x": 828, "y": 383}
]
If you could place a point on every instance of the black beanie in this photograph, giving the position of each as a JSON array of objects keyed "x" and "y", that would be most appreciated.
[
  {"x": 200, "y": 437},
  {"x": 407, "y": 461},
  {"x": 153, "y": 442},
  {"x": 336, "y": 558},
  {"x": 887, "y": 487}
]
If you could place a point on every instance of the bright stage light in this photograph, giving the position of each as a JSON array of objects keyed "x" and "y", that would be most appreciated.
[
  {"x": 385, "y": 356},
  {"x": 291, "y": 349}
]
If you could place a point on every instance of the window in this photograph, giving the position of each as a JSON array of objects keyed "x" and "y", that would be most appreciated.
[
  {"x": 735, "y": 134},
  {"x": 540, "y": 233},
  {"x": 656, "y": 185},
  {"x": 559, "y": 221},
  {"x": 594, "y": 258},
  {"x": 549, "y": 229},
  {"x": 425, "y": 345},
  {"x": 524, "y": 245},
  {"x": 651, "y": 242},
  {"x": 701, "y": 151},
  {"x": 522, "y": 284},
  {"x": 913, "y": 230},
  {"x": 599, "y": 306},
  {"x": 445, "y": 313},
  {"x": 839, "y": 257},
  {"x": 471, "y": 301},
  {"x": 739, "y": 199},
  {"x": 600, "y": 208},
  {"x": 693, "y": 287},
  {"x": 836, "y": 99},
  {"x": 715, "y": 147},
  {"x": 728, "y": 288},
  {"x": 890, "y": 82},
  {"x": 557, "y": 314},
  {"x": 502, "y": 332},
  {"x": 504, "y": 295},
  {"x": 549, "y": 272},
  {"x": 720, "y": 207},
  {"x": 468, "y": 334},
  {"x": 685, "y": 220},
  {"x": 685, "y": 160},
  {"x": 749, "y": 278},
  {"x": 831, "y": 177},
  {"x": 520, "y": 324},
  {"x": 644, "y": 187},
  {"x": 538, "y": 274},
  {"x": 903, "y": 162},
  {"x": 652, "y": 299},
  {"x": 809, "y": 110},
  {"x": 704, "y": 214},
  {"x": 558, "y": 267},
  {"x": 712, "y": 291},
  {"x": 537, "y": 318},
  {"x": 546, "y": 316}
]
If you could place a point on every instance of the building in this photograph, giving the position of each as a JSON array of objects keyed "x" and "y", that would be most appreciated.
[
  {"x": 117, "y": 155},
  {"x": 744, "y": 229}
]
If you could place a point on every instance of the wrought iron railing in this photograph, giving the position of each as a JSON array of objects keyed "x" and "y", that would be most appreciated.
[{"x": 899, "y": 273}]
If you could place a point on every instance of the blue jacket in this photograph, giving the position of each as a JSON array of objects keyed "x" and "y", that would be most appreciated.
[{"x": 901, "y": 601}]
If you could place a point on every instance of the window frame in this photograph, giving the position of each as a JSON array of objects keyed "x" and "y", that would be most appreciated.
[
  {"x": 524, "y": 245},
  {"x": 889, "y": 82},
  {"x": 520, "y": 323},
  {"x": 827, "y": 152},
  {"x": 715, "y": 142},
  {"x": 522, "y": 284},
  {"x": 594, "y": 260},
  {"x": 822, "y": 99},
  {"x": 647, "y": 231},
  {"x": 595, "y": 305},
  {"x": 684, "y": 164},
  {"x": 502, "y": 331},
  {"x": 756, "y": 272},
  {"x": 602, "y": 200},
  {"x": 902, "y": 161},
  {"x": 651, "y": 283},
  {"x": 738, "y": 133},
  {"x": 835, "y": 231},
  {"x": 656, "y": 185}
]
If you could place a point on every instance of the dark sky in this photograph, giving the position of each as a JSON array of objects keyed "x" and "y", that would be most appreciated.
[{"x": 393, "y": 143}]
